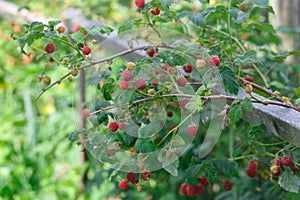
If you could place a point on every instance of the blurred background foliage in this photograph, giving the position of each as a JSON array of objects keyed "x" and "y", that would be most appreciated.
[{"x": 37, "y": 159}]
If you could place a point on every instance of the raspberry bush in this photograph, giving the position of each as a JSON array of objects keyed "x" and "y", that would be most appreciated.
[{"x": 156, "y": 122}]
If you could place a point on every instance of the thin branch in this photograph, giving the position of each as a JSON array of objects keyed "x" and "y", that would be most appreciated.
[
  {"x": 108, "y": 59},
  {"x": 220, "y": 96}
]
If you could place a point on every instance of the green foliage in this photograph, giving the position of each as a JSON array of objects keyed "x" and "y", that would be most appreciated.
[{"x": 157, "y": 118}]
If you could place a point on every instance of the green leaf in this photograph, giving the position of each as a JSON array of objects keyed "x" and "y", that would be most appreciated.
[
  {"x": 150, "y": 129},
  {"x": 178, "y": 141},
  {"x": 247, "y": 104},
  {"x": 166, "y": 2},
  {"x": 227, "y": 167},
  {"x": 100, "y": 29},
  {"x": 235, "y": 114},
  {"x": 264, "y": 27},
  {"x": 74, "y": 135},
  {"x": 261, "y": 2},
  {"x": 199, "y": 19},
  {"x": 144, "y": 145},
  {"x": 289, "y": 181},
  {"x": 193, "y": 170},
  {"x": 229, "y": 81},
  {"x": 239, "y": 16},
  {"x": 172, "y": 168}
]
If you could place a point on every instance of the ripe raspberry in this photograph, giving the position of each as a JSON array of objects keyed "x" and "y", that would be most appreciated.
[
  {"x": 140, "y": 3},
  {"x": 183, "y": 188},
  {"x": 227, "y": 185},
  {"x": 151, "y": 52},
  {"x": 123, "y": 185},
  {"x": 200, "y": 63},
  {"x": 155, "y": 82},
  {"x": 188, "y": 68},
  {"x": 276, "y": 161},
  {"x": 165, "y": 67},
  {"x": 122, "y": 125},
  {"x": 130, "y": 66},
  {"x": 181, "y": 82},
  {"x": 51, "y": 59},
  {"x": 193, "y": 130},
  {"x": 50, "y": 48},
  {"x": 123, "y": 85},
  {"x": 204, "y": 181},
  {"x": 190, "y": 190},
  {"x": 47, "y": 80},
  {"x": 145, "y": 175},
  {"x": 74, "y": 72},
  {"x": 140, "y": 84},
  {"x": 113, "y": 126},
  {"x": 76, "y": 27},
  {"x": 126, "y": 75},
  {"x": 253, "y": 165},
  {"x": 169, "y": 113},
  {"x": 61, "y": 29},
  {"x": 249, "y": 78},
  {"x": 131, "y": 177},
  {"x": 183, "y": 102},
  {"x": 86, "y": 50},
  {"x": 251, "y": 173},
  {"x": 286, "y": 160},
  {"x": 156, "y": 11},
  {"x": 200, "y": 189},
  {"x": 214, "y": 61}
]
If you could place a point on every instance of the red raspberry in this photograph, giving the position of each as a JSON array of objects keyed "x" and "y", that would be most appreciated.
[
  {"x": 200, "y": 189},
  {"x": 188, "y": 68},
  {"x": 50, "y": 48},
  {"x": 183, "y": 188},
  {"x": 249, "y": 78},
  {"x": 123, "y": 185},
  {"x": 140, "y": 3},
  {"x": 151, "y": 52},
  {"x": 183, "y": 102},
  {"x": 76, "y": 27},
  {"x": 51, "y": 59},
  {"x": 193, "y": 130},
  {"x": 126, "y": 75},
  {"x": 156, "y": 11},
  {"x": 169, "y": 113},
  {"x": 113, "y": 126},
  {"x": 251, "y": 173},
  {"x": 131, "y": 177},
  {"x": 253, "y": 165},
  {"x": 190, "y": 190},
  {"x": 155, "y": 82},
  {"x": 86, "y": 50},
  {"x": 123, "y": 85},
  {"x": 181, "y": 82},
  {"x": 276, "y": 161},
  {"x": 165, "y": 67},
  {"x": 286, "y": 161},
  {"x": 204, "y": 181},
  {"x": 145, "y": 175},
  {"x": 122, "y": 125},
  {"x": 214, "y": 61},
  {"x": 227, "y": 185},
  {"x": 140, "y": 84}
]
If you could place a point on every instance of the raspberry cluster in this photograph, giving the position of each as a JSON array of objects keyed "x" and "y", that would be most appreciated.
[
  {"x": 132, "y": 177},
  {"x": 192, "y": 190}
]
